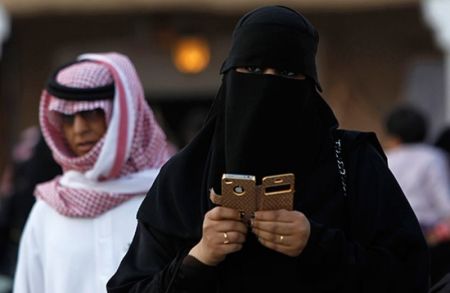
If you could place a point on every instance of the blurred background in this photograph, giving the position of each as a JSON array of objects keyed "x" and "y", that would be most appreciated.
[{"x": 373, "y": 56}]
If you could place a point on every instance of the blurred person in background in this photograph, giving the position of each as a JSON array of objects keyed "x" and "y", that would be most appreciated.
[
  {"x": 351, "y": 229},
  {"x": 104, "y": 135},
  {"x": 423, "y": 174},
  {"x": 31, "y": 163}
]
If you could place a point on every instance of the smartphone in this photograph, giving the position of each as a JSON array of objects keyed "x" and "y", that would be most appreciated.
[
  {"x": 277, "y": 192},
  {"x": 239, "y": 192}
]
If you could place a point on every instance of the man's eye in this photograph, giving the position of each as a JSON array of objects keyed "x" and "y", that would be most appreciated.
[
  {"x": 67, "y": 119},
  {"x": 91, "y": 114}
]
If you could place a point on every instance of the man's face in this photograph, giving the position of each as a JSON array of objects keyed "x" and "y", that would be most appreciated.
[{"x": 83, "y": 130}]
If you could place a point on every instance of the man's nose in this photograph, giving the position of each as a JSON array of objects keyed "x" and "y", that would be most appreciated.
[{"x": 79, "y": 123}]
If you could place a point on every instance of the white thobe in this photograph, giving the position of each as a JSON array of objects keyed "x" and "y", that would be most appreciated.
[
  {"x": 59, "y": 254},
  {"x": 422, "y": 172}
]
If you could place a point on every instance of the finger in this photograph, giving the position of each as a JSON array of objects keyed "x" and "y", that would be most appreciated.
[
  {"x": 280, "y": 243},
  {"x": 226, "y": 226},
  {"x": 212, "y": 227},
  {"x": 282, "y": 228},
  {"x": 273, "y": 216},
  {"x": 278, "y": 239},
  {"x": 233, "y": 226},
  {"x": 224, "y": 211},
  {"x": 231, "y": 237},
  {"x": 229, "y": 242},
  {"x": 221, "y": 213},
  {"x": 231, "y": 247},
  {"x": 279, "y": 247}
]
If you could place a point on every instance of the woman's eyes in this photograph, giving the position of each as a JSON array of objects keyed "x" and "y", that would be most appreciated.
[
  {"x": 260, "y": 70},
  {"x": 287, "y": 73},
  {"x": 254, "y": 69}
]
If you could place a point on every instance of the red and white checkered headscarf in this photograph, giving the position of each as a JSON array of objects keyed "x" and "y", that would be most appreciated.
[{"x": 124, "y": 162}]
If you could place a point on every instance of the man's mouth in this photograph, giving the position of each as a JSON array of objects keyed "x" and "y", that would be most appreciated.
[{"x": 84, "y": 147}]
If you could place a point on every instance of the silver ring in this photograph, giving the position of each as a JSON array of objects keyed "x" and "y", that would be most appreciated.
[{"x": 225, "y": 236}]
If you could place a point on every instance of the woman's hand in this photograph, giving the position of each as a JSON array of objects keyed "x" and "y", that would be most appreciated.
[
  {"x": 284, "y": 231},
  {"x": 223, "y": 232}
]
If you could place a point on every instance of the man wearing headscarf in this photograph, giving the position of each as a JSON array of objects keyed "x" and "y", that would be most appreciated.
[
  {"x": 104, "y": 135},
  {"x": 351, "y": 228}
]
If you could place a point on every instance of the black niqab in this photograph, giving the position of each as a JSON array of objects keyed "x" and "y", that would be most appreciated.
[{"x": 260, "y": 115}]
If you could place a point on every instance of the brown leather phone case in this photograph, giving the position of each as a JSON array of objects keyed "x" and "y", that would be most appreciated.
[
  {"x": 241, "y": 192},
  {"x": 277, "y": 192},
  {"x": 238, "y": 192}
]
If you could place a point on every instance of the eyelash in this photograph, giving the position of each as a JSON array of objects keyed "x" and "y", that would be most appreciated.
[
  {"x": 259, "y": 70},
  {"x": 254, "y": 69},
  {"x": 288, "y": 73}
]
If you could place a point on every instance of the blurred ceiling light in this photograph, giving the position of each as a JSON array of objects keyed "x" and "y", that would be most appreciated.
[
  {"x": 191, "y": 55},
  {"x": 5, "y": 26}
]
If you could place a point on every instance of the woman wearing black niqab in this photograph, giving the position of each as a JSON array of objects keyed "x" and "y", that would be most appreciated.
[{"x": 351, "y": 228}]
